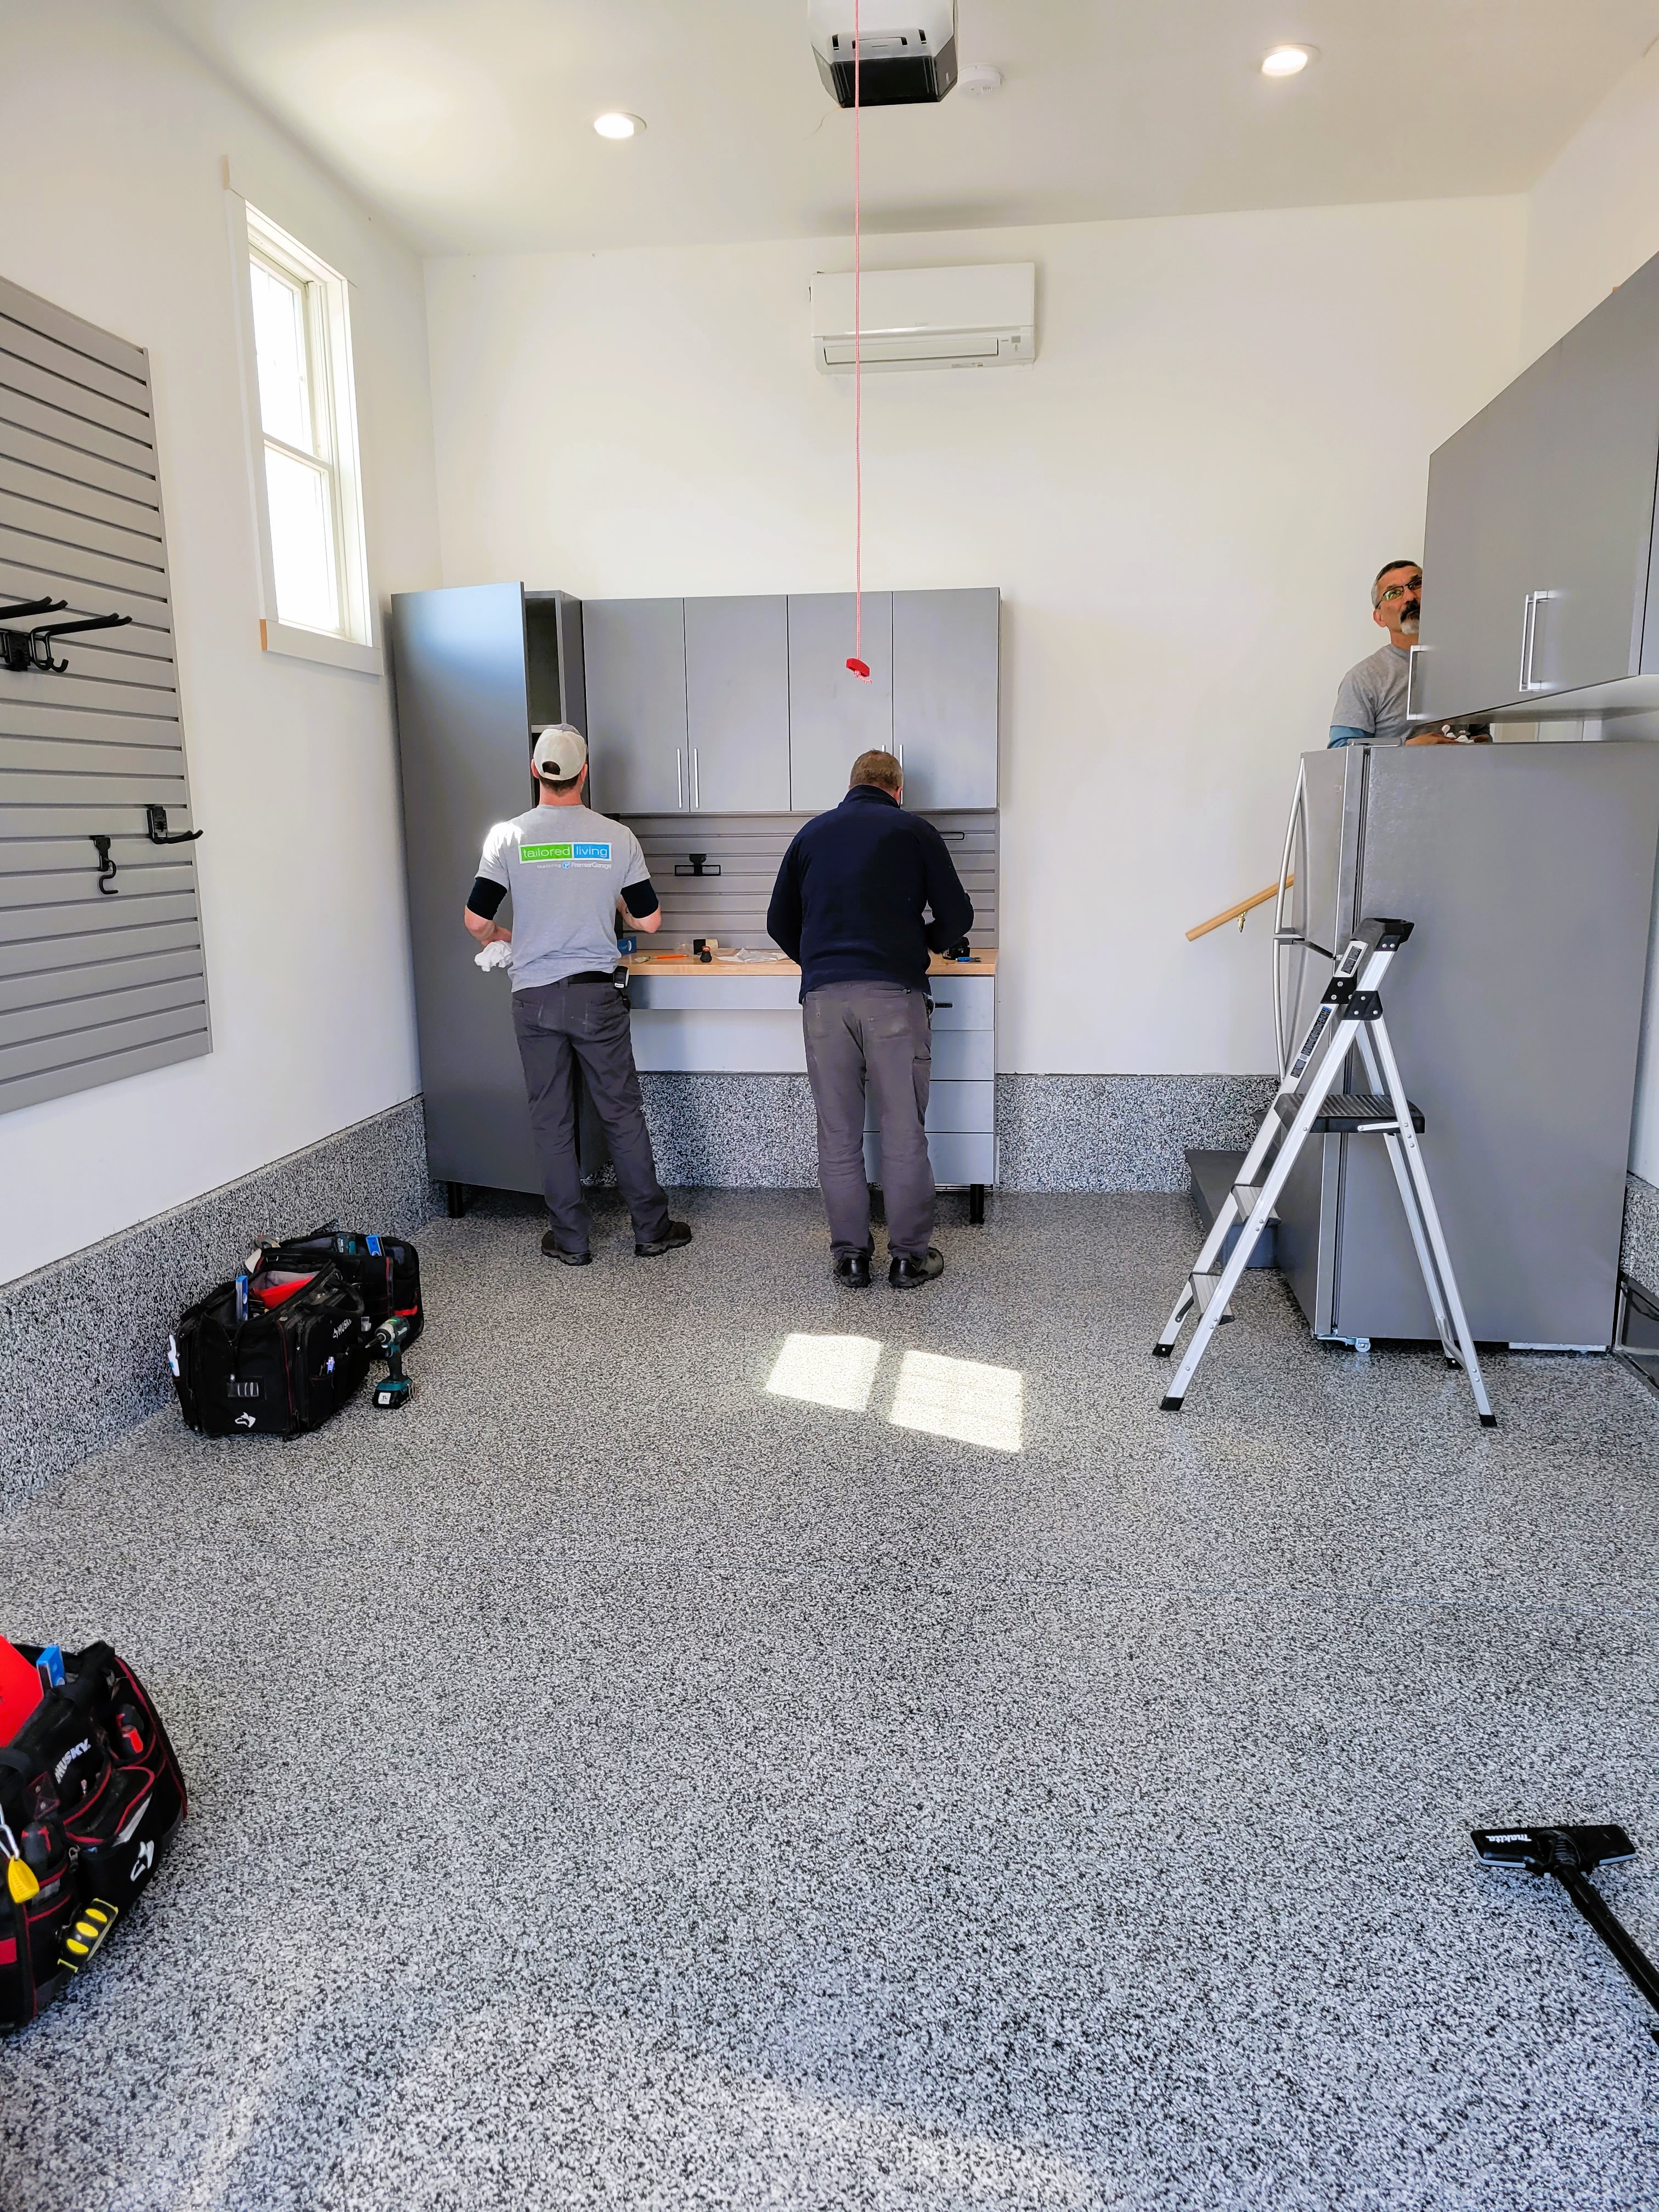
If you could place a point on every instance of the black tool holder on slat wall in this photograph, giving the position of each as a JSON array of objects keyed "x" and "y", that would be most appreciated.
[{"x": 102, "y": 969}]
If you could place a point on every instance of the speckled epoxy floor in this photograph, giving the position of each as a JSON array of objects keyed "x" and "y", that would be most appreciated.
[{"x": 616, "y": 1785}]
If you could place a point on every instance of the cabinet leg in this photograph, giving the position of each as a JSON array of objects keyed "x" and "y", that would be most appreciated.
[
  {"x": 976, "y": 1201},
  {"x": 455, "y": 1195}
]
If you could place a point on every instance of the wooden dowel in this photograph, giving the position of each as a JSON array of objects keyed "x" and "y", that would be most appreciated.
[{"x": 1236, "y": 913}]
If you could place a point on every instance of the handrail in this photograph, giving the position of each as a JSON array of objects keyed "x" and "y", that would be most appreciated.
[{"x": 1245, "y": 906}]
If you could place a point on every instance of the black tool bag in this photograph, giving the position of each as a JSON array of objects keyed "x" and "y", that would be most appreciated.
[
  {"x": 298, "y": 1354},
  {"x": 91, "y": 1796},
  {"x": 386, "y": 1269}
]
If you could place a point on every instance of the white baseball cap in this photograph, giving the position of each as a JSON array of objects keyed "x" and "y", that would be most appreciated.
[{"x": 561, "y": 752}]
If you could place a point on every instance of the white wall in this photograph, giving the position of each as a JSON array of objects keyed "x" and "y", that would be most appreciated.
[
  {"x": 1184, "y": 502},
  {"x": 1593, "y": 218},
  {"x": 110, "y": 182}
]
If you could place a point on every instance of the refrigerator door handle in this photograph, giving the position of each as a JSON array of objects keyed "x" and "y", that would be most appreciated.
[{"x": 1282, "y": 936}]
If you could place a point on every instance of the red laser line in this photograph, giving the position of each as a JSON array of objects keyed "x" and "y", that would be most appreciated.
[{"x": 858, "y": 664}]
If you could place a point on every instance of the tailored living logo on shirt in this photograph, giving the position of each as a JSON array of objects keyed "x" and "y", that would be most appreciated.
[{"x": 567, "y": 855}]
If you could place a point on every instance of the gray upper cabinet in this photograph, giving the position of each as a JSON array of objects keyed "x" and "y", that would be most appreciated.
[
  {"x": 945, "y": 697},
  {"x": 834, "y": 716},
  {"x": 1540, "y": 530},
  {"x": 736, "y": 705},
  {"x": 633, "y": 652}
]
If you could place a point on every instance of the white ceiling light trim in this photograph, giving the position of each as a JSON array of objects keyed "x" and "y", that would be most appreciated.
[
  {"x": 613, "y": 123},
  {"x": 1288, "y": 61}
]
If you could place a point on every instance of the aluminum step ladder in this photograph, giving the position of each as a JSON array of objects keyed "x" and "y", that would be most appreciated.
[{"x": 1348, "y": 1018}]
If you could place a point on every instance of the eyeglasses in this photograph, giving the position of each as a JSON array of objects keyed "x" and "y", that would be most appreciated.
[{"x": 1399, "y": 590}]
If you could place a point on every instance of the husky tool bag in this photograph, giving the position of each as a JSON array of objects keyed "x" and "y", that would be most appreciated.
[
  {"x": 386, "y": 1269},
  {"x": 91, "y": 1796},
  {"x": 284, "y": 1366}
]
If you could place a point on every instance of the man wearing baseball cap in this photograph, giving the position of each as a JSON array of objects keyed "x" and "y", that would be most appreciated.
[{"x": 571, "y": 872}]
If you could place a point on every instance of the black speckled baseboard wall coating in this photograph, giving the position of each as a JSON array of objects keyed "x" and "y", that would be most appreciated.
[
  {"x": 83, "y": 1341},
  {"x": 1640, "y": 1256},
  {"x": 1058, "y": 1132}
]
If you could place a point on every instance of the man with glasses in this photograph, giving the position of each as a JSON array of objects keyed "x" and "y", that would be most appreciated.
[{"x": 1370, "y": 704}]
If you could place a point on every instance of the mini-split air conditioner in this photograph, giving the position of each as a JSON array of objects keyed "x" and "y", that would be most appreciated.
[{"x": 982, "y": 317}]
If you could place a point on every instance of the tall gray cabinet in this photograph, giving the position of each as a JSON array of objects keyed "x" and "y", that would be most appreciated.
[
  {"x": 475, "y": 669},
  {"x": 1540, "y": 593}
]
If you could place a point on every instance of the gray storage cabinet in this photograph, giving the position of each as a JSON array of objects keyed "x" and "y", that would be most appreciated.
[
  {"x": 1527, "y": 871},
  {"x": 94, "y": 985},
  {"x": 736, "y": 705},
  {"x": 945, "y": 677},
  {"x": 463, "y": 661},
  {"x": 834, "y": 716},
  {"x": 1539, "y": 546},
  {"x": 634, "y": 654}
]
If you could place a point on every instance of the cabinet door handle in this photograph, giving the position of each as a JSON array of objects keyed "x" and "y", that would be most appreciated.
[
  {"x": 1529, "y": 640},
  {"x": 697, "y": 780},
  {"x": 679, "y": 780},
  {"x": 1411, "y": 652}
]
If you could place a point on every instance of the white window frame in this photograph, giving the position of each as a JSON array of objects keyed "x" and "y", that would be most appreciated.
[{"x": 328, "y": 316}]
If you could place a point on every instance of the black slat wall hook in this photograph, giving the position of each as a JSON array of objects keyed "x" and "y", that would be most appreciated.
[
  {"x": 155, "y": 829},
  {"x": 107, "y": 867},
  {"x": 15, "y": 643},
  {"x": 40, "y": 639}
]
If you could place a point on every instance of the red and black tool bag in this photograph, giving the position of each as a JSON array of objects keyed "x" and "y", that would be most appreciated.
[
  {"x": 91, "y": 1796},
  {"x": 386, "y": 1269},
  {"x": 292, "y": 1361}
]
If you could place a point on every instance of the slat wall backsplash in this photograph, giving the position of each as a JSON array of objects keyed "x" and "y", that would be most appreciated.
[
  {"x": 92, "y": 986},
  {"x": 748, "y": 849}
]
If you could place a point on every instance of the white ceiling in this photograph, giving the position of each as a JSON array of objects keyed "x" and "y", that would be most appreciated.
[{"x": 469, "y": 122}]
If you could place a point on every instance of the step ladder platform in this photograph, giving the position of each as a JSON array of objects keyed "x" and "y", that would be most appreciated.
[
  {"x": 1204, "y": 1290},
  {"x": 1355, "y": 1113}
]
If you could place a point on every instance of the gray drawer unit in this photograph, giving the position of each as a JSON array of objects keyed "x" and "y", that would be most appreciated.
[
  {"x": 711, "y": 992},
  {"x": 964, "y": 1002},
  {"x": 959, "y": 1162},
  {"x": 95, "y": 984}
]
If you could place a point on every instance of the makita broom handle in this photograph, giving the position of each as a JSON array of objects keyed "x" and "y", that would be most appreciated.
[{"x": 1613, "y": 1932}]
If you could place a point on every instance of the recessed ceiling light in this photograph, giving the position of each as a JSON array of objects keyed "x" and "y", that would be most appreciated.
[
  {"x": 617, "y": 125},
  {"x": 1287, "y": 61}
]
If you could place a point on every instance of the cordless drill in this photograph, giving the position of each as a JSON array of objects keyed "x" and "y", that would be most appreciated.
[{"x": 388, "y": 1345}]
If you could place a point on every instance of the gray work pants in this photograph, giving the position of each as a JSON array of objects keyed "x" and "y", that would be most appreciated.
[
  {"x": 559, "y": 1023},
  {"x": 873, "y": 1034}
]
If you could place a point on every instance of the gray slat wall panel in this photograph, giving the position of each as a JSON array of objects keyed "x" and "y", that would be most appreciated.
[
  {"x": 94, "y": 986},
  {"x": 748, "y": 849}
]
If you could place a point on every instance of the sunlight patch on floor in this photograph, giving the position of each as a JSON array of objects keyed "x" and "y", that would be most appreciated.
[
  {"x": 826, "y": 1371},
  {"x": 961, "y": 1398}
]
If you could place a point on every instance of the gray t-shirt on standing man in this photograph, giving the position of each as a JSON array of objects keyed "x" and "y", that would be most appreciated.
[
  {"x": 566, "y": 868},
  {"x": 1370, "y": 703}
]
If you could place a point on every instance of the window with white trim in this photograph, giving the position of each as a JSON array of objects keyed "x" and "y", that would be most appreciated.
[{"x": 310, "y": 491}]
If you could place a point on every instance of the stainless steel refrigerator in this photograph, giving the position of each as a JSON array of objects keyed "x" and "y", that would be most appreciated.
[{"x": 1528, "y": 871}]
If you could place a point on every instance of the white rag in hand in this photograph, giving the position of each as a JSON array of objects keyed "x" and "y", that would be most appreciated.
[{"x": 498, "y": 953}]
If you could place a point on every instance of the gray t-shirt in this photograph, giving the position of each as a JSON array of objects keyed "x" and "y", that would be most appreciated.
[
  {"x": 565, "y": 866},
  {"x": 1372, "y": 697}
]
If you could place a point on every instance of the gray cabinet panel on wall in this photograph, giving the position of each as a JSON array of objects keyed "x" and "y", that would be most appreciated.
[
  {"x": 1540, "y": 525},
  {"x": 464, "y": 738},
  {"x": 945, "y": 663},
  {"x": 635, "y": 655},
  {"x": 834, "y": 716},
  {"x": 736, "y": 705},
  {"x": 95, "y": 984}
]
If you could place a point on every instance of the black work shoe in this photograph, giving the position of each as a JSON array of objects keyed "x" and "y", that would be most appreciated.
[
  {"x": 853, "y": 1268},
  {"x": 675, "y": 1234},
  {"x": 907, "y": 1272},
  {"x": 555, "y": 1250}
]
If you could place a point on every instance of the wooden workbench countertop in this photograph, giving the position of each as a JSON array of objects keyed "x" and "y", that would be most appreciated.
[{"x": 687, "y": 963}]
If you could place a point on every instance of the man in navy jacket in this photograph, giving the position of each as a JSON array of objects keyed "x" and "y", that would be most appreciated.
[{"x": 850, "y": 904}]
